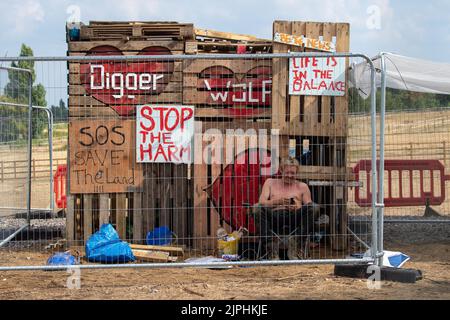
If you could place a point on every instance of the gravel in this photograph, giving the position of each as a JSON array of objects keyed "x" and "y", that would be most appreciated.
[{"x": 410, "y": 231}]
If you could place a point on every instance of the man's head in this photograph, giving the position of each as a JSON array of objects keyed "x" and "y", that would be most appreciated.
[{"x": 289, "y": 169}]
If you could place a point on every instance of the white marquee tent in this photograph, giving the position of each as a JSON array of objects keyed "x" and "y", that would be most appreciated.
[{"x": 404, "y": 73}]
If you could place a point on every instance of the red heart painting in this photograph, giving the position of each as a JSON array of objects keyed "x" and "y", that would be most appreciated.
[
  {"x": 123, "y": 84},
  {"x": 252, "y": 90},
  {"x": 241, "y": 183}
]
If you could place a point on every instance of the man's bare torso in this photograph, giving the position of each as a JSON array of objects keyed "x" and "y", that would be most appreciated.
[{"x": 279, "y": 190}]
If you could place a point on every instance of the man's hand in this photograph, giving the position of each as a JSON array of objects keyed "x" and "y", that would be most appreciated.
[{"x": 281, "y": 202}]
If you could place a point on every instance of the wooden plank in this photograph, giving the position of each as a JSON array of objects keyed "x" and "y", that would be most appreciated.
[
  {"x": 320, "y": 130},
  {"x": 232, "y": 113},
  {"x": 93, "y": 112},
  {"x": 87, "y": 216},
  {"x": 329, "y": 30},
  {"x": 237, "y": 66},
  {"x": 171, "y": 97},
  {"x": 342, "y": 45},
  {"x": 133, "y": 45},
  {"x": 101, "y": 156},
  {"x": 326, "y": 173},
  {"x": 280, "y": 78},
  {"x": 136, "y": 31},
  {"x": 149, "y": 197},
  {"x": 80, "y": 90},
  {"x": 311, "y": 102},
  {"x": 175, "y": 65},
  {"x": 226, "y": 35},
  {"x": 153, "y": 256},
  {"x": 104, "y": 213},
  {"x": 138, "y": 236},
  {"x": 70, "y": 220},
  {"x": 257, "y": 100},
  {"x": 190, "y": 47},
  {"x": 200, "y": 198},
  {"x": 298, "y": 28},
  {"x": 174, "y": 251},
  {"x": 180, "y": 196},
  {"x": 121, "y": 215},
  {"x": 123, "y": 53},
  {"x": 165, "y": 193}
]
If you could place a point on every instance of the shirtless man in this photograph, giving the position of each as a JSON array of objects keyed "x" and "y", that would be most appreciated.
[{"x": 284, "y": 202}]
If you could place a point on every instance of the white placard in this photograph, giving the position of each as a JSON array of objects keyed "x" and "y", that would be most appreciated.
[
  {"x": 317, "y": 76},
  {"x": 164, "y": 133}
]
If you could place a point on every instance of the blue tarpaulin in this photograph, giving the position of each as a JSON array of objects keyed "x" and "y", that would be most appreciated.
[
  {"x": 105, "y": 246},
  {"x": 159, "y": 236}
]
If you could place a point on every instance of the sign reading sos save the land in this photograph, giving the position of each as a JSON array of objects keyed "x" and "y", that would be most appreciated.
[
  {"x": 317, "y": 76},
  {"x": 164, "y": 133}
]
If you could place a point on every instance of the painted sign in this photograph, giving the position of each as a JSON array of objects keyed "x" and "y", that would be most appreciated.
[
  {"x": 124, "y": 84},
  {"x": 302, "y": 41},
  {"x": 164, "y": 133},
  {"x": 317, "y": 76},
  {"x": 101, "y": 157}
]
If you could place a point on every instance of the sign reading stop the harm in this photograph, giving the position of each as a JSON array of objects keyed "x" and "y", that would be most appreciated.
[{"x": 164, "y": 133}]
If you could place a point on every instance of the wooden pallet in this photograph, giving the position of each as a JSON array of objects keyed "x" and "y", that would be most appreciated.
[
  {"x": 84, "y": 102},
  {"x": 165, "y": 200},
  {"x": 97, "y": 30},
  {"x": 228, "y": 88},
  {"x": 308, "y": 115},
  {"x": 174, "y": 195},
  {"x": 316, "y": 117}
]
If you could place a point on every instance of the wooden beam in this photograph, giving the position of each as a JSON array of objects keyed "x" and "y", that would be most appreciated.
[
  {"x": 226, "y": 35},
  {"x": 153, "y": 256},
  {"x": 175, "y": 251}
]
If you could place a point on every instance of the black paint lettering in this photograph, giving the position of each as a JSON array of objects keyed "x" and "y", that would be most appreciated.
[
  {"x": 83, "y": 131},
  {"x": 114, "y": 129},
  {"x": 98, "y": 136}
]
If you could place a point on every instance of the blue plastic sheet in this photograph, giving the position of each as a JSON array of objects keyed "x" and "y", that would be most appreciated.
[
  {"x": 62, "y": 259},
  {"x": 105, "y": 246},
  {"x": 159, "y": 236}
]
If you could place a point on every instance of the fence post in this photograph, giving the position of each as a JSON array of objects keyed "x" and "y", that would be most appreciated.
[
  {"x": 34, "y": 168},
  {"x": 445, "y": 154}
]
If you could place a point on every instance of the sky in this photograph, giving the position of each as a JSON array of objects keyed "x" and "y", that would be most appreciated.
[{"x": 415, "y": 28}]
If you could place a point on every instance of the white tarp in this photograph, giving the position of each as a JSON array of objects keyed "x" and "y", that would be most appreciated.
[{"x": 403, "y": 73}]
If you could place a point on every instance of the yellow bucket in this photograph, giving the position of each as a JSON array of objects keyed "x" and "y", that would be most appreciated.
[{"x": 228, "y": 247}]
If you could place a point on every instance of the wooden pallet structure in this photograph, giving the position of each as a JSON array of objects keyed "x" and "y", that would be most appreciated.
[
  {"x": 320, "y": 121},
  {"x": 128, "y": 208},
  {"x": 253, "y": 96}
]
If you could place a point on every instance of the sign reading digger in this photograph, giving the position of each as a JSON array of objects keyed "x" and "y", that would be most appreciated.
[
  {"x": 164, "y": 133},
  {"x": 122, "y": 85}
]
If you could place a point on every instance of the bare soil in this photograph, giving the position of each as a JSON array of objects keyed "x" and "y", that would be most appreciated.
[{"x": 293, "y": 282}]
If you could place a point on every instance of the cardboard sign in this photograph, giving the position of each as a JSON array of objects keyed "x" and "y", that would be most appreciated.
[
  {"x": 102, "y": 158},
  {"x": 317, "y": 76},
  {"x": 164, "y": 133},
  {"x": 302, "y": 41}
]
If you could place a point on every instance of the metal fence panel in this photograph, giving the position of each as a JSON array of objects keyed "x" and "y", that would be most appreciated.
[{"x": 247, "y": 117}]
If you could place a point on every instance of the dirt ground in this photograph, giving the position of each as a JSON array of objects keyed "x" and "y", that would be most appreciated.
[{"x": 292, "y": 282}]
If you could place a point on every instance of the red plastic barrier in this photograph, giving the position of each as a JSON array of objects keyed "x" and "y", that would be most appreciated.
[
  {"x": 59, "y": 186},
  {"x": 435, "y": 197}
]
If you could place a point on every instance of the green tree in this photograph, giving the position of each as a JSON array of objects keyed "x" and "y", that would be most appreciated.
[
  {"x": 60, "y": 112},
  {"x": 18, "y": 90}
]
